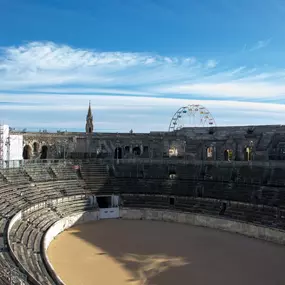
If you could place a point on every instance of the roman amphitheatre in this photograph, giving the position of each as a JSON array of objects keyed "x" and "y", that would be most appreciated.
[{"x": 197, "y": 204}]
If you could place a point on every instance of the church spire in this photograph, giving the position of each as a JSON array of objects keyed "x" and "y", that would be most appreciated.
[
  {"x": 89, "y": 110},
  {"x": 89, "y": 121}
]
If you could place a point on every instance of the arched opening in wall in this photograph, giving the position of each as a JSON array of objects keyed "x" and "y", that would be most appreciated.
[
  {"x": 36, "y": 147},
  {"x": 172, "y": 174},
  {"x": 127, "y": 149},
  {"x": 118, "y": 153},
  {"x": 173, "y": 151},
  {"x": 210, "y": 152},
  {"x": 228, "y": 154},
  {"x": 27, "y": 152},
  {"x": 137, "y": 150},
  {"x": 247, "y": 153},
  {"x": 44, "y": 152}
]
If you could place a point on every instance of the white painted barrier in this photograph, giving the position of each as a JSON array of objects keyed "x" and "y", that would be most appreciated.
[
  {"x": 109, "y": 213},
  {"x": 60, "y": 226}
]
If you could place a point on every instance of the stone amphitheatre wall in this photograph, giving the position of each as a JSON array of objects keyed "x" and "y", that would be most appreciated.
[{"x": 267, "y": 142}]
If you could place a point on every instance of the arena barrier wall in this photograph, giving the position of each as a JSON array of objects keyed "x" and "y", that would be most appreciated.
[
  {"x": 250, "y": 230},
  {"x": 76, "y": 218},
  {"x": 60, "y": 226}
]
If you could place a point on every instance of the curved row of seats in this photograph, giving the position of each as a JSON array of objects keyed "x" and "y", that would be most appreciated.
[
  {"x": 229, "y": 172},
  {"x": 26, "y": 235},
  {"x": 20, "y": 189}
]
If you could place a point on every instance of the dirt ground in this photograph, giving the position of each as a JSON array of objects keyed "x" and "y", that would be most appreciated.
[{"x": 127, "y": 252}]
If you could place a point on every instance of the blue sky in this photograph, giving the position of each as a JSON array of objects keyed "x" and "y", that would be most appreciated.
[{"x": 138, "y": 61}]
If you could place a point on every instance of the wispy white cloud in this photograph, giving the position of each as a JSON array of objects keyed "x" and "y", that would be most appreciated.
[
  {"x": 38, "y": 64},
  {"x": 78, "y": 102},
  {"x": 226, "y": 90},
  {"x": 260, "y": 44},
  {"x": 211, "y": 63},
  {"x": 142, "y": 111},
  {"x": 56, "y": 81}
]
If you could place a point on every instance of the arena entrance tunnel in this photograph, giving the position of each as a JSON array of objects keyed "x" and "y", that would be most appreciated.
[
  {"x": 108, "y": 206},
  {"x": 104, "y": 201}
]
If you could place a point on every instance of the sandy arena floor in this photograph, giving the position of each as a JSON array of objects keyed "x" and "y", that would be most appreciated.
[{"x": 119, "y": 252}]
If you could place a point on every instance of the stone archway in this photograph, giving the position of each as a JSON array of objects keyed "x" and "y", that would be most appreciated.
[
  {"x": 27, "y": 152},
  {"x": 44, "y": 152},
  {"x": 36, "y": 147},
  {"x": 118, "y": 153},
  {"x": 247, "y": 152},
  {"x": 226, "y": 154},
  {"x": 137, "y": 151}
]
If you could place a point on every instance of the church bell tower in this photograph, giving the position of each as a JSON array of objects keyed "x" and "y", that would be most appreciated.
[{"x": 89, "y": 121}]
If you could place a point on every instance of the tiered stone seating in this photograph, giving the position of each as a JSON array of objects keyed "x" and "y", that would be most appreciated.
[
  {"x": 193, "y": 172},
  {"x": 154, "y": 171},
  {"x": 48, "y": 189},
  {"x": 26, "y": 235},
  {"x": 64, "y": 172},
  {"x": 277, "y": 177},
  {"x": 68, "y": 187},
  {"x": 15, "y": 175},
  {"x": 7, "y": 265},
  {"x": 198, "y": 205},
  {"x": 30, "y": 193},
  {"x": 38, "y": 172},
  {"x": 251, "y": 174},
  {"x": 216, "y": 173},
  {"x": 96, "y": 178},
  {"x": 55, "y": 189},
  {"x": 270, "y": 196},
  {"x": 125, "y": 170},
  {"x": 145, "y": 201},
  {"x": 19, "y": 189}
]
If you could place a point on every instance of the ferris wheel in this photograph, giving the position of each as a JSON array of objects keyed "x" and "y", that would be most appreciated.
[{"x": 191, "y": 116}]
